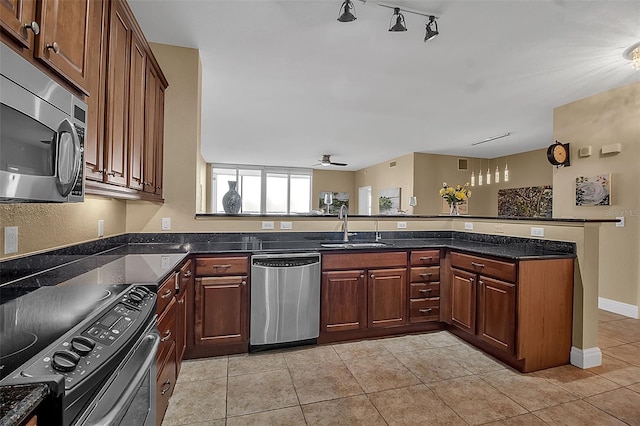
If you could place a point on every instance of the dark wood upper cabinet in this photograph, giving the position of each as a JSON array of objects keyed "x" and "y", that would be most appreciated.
[
  {"x": 16, "y": 18},
  {"x": 137, "y": 95}
]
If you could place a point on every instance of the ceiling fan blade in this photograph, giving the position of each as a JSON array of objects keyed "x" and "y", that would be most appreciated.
[{"x": 338, "y": 164}]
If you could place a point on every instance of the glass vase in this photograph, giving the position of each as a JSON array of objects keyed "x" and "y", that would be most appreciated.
[{"x": 453, "y": 209}]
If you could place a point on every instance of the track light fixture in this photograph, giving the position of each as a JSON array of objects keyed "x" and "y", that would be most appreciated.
[
  {"x": 399, "y": 19},
  {"x": 347, "y": 12},
  {"x": 432, "y": 29}
]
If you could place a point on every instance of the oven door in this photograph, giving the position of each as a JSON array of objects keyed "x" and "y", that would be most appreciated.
[{"x": 129, "y": 395}]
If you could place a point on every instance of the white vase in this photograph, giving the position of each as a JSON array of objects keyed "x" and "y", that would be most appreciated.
[{"x": 453, "y": 209}]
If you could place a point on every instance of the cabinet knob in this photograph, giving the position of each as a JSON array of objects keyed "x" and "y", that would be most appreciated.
[
  {"x": 373, "y": 276},
  {"x": 362, "y": 276},
  {"x": 244, "y": 282},
  {"x": 480, "y": 282},
  {"x": 33, "y": 27},
  {"x": 187, "y": 274},
  {"x": 180, "y": 301},
  {"x": 471, "y": 280},
  {"x": 54, "y": 46}
]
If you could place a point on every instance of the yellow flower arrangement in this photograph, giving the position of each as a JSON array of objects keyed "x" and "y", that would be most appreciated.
[{"x": 458, "y": 194}]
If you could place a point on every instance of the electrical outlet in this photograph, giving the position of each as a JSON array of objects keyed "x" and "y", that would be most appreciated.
[
  {"x": 401, "y": 225},
  {"x": 267, "y": 225},
  {"x": 101, "y": 228},
  {"x": 620, "y": 222},
  {"x": 10, "y": 239},
  {"x": 468, "y": 225},
  {"x": 286, "y": 225},
  {"x": 499, "y": 229},
  {"x": 165, "y": 262},
  {"x": 537, "y": 232},
  {"x": 166, "y": 223}
]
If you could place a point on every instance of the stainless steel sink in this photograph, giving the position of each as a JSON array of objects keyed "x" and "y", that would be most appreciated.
[{"x": 353, "y": 245}]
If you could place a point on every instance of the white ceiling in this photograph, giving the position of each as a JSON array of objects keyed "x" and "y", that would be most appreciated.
[{"x": 284, "y": 82}]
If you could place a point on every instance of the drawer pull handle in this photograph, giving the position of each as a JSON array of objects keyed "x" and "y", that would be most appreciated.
[
  {"x": 166, "y": 336},
  {"x": 54, "y": 46},
  {"x": 187, "y": 274},
  {"x": 478, "y": 265},
  {"x": 427, "y": 274},
  {"x": 33, "y": 27},
  {"x": 424, "y": 259},
  {"x": 425, "y": 290},
  {"x": 166, "y": 386},
  {"x": 424, "y": 311},
  {"x": 226, "y": 266},
  {"x": 166, "y": 294}
]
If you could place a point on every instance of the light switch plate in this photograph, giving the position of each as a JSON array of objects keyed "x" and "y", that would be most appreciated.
[
  {"x": 165, "y": 262},
  {"x": 620, "y": 223},
  {"x": 166, "y": 223},
  {"x": 267, "y": 225},
  {"x": 286, "y": 225},
  {"x": 101, "y": 228},
  {"x": 537, "y": 232},
  {"x": 402, "y": 225},
  {"x": 468, "y": 225},
  {"x": 10, "y": 239}
]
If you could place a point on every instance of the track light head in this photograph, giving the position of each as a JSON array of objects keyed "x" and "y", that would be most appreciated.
[
  {"x": 432, "y": 29},
  {"x": 347, "y": 12},
  {"x": 399, "y": 18}
]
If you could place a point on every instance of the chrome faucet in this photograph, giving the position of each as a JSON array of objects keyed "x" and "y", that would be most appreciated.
[
  {"x": 343, "y": 217},
  {"x": 378, "y": 237}
]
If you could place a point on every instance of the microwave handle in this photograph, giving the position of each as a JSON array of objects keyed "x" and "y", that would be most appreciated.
[{"x": 66, "y": 127}]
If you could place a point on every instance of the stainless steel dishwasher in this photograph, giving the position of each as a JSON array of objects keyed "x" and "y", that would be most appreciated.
[{"x": 285, "y": 299}]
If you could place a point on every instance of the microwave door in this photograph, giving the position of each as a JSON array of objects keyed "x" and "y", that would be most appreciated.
[{"x": 68, "y": 157}]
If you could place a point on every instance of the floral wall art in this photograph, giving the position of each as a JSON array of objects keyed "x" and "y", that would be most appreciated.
[
  {"x": 593, "y": 191},
  {"x": 532, "y": 201}
]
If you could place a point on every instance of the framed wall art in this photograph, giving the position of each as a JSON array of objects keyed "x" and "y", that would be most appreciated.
[{"x": 593, "y": 190}]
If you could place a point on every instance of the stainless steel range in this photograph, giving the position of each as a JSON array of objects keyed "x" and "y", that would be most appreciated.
[{"x": 93, "y": 343}]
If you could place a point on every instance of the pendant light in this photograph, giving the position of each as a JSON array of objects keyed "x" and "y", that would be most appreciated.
[
  {"x": 488, "y": 173},
  {"x": 473, "y": 178},
  {"x": 399, "y": 18},
  {"x": 347, "y": 12},
  {"x": 480, "y": 175},
  {"x": 506, "y": 171},
  {"x": 497, "y": 174}
]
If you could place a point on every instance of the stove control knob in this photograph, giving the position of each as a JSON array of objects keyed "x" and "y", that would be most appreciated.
[
  {"x": 65, "y": 360},
  {"x": 135, "y": 297},
  {"x": 82, "y": 345}
]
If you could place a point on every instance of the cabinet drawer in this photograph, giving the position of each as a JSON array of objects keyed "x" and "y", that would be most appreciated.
[
  {"x": 484, "y": 266},
  {"x": 364, "y": 260},
  {"x": 422, "y": 290},
  {"x": 424, "y": 309},
  {"x": 206, "y": 266},
  {"x": 426, "y": 274},
  {"x": 425, "y": 257},
  {"x": 167, "y": 330},
  {"x": 185, "y": 277},
  {"x": 166, "y": 292},
  {"x": 166, "y": 381}
]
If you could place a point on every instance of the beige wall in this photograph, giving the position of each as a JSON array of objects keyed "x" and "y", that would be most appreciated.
[
  {"x": 334, "y": 181},
  {"x": 607, "y": 118},
  {"x": 382, "y": 176}
]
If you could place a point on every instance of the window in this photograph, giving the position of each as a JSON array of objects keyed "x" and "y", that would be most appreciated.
[{"x": 264, "y": 190}]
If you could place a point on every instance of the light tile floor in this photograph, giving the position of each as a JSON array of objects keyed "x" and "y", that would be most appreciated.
[{"x": 426, "y": 379}]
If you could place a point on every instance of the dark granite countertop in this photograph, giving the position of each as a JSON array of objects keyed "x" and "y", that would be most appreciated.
[{"x": 17, "y": 402}]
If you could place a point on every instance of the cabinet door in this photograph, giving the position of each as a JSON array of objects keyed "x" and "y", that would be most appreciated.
[
  {"x": 343, "y": 301},
  {"x": 117, "y": 95},
  {"x": 14, "y": 15},
  {"x": 64, "y": 42},
  {"x": 463, "y": 300},
  {"x": 138, "y": 75},
  {"x": 159, "y": 142},
  {"x": 387, "y": 297},
  {"x": 151, "y": 129},
  {"x": 181, "y": 329},
  {"x": 497, "y": 313},
  {"x": 221, "y": 310}
]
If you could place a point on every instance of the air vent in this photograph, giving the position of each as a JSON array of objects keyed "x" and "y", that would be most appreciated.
[
  {"x": 463, "y": 164},
  {"x": 392, "y": 164}
]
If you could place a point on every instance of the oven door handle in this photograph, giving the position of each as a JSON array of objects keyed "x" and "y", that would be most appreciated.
[{"x": 152, "y": 340}]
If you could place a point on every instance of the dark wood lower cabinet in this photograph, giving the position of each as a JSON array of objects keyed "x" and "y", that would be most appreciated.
[
  {"x": 343, "y": 301},
  {"x": 387, "y": 297},
  {"x": 497, "y": 313},
  {"x": 463, "y": 300}
]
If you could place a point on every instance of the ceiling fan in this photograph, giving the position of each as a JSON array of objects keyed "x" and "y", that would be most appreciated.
[{"x": 326, "y": 161}]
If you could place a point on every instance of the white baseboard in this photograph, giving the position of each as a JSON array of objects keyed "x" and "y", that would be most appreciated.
[
  {"x": 620, "y": 308},
  {"x": 586, "y": 358}
]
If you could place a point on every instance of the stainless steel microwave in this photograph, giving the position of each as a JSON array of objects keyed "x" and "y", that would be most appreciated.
[{"x": 42, "y": 128}]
